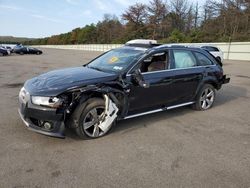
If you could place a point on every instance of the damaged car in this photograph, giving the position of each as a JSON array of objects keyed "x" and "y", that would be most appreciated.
[{"x": 140, "y": 78}]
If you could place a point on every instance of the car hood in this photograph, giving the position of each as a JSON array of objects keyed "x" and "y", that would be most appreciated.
[{"x": 56, "y": 82}]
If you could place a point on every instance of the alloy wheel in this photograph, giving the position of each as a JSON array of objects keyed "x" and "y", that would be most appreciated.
[
  {"x": 91, "y": 122},
  {"x": 207, "y": 98}
]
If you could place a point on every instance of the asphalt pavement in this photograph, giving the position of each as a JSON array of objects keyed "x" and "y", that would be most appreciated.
[{"x": 177, "y": 148}]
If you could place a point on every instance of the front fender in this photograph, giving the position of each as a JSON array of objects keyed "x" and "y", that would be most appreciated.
[{"x": 77, "y": 105}]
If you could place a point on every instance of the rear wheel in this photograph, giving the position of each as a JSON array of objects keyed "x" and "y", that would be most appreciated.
[
  {"x": 89, "y": 119},
  {"x": 205, "y": 98}
]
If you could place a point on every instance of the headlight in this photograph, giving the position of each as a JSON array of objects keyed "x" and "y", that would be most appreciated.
[{"x": 52, "y": 102}]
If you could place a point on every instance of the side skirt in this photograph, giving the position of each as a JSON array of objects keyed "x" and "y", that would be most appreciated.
[{"x": 159, "y": 110}]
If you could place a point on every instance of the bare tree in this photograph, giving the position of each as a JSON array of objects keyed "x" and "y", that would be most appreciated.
[
  {"x": 189, "y": 22},
  {"x": 136, "y": 14},
  {"x": 136, "y": 17},
  {"x": 196, "y": 15},
  {"x": 157, "y": 12},
  {"x": 179, "y": 11}
]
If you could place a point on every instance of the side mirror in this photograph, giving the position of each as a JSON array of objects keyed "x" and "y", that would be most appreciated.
[{"x": 138, "y": 79}]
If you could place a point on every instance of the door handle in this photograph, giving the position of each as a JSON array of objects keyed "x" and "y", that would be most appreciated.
[{"x": 208, "y": 68}]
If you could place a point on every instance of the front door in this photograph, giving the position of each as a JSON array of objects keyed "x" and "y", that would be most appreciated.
[{"x": 154, "y": 69}]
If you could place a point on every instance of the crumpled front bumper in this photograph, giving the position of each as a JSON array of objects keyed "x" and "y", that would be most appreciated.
[
  {"x": 31, "y": 114},
  {"x": 59, "y": 133}
]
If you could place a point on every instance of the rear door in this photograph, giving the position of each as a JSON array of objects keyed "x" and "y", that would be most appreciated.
[{"x": 187, "y": 75}]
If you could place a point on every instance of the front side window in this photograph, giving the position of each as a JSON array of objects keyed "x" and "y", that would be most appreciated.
[
  {"x": 155, "y": 62},
  {"x": 116, "y": 60},
  {"x": 203, "y": 60},
  {"x": 184, "y": 59}
]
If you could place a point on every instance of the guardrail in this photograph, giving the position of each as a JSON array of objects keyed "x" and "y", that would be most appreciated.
[{"x": 232, "y": 51}]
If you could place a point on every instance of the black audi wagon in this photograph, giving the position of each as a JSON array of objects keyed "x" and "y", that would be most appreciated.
[{"x": 140, "y": 78}]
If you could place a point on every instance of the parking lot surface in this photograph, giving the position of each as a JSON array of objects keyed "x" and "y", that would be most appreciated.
[{"x": 177, "y": 148}]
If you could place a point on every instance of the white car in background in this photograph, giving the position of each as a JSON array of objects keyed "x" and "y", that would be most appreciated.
[
  {"x": 5, "y": 48},
  {"x": 215, "y": 51}
]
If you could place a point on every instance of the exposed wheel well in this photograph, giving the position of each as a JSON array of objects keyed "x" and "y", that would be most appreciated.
[
  {"x": 96, "y": 95},
  {"x": 212, "y": 83}
]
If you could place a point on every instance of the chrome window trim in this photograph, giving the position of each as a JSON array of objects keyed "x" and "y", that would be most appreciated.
[{"x": 144, "y": 73}]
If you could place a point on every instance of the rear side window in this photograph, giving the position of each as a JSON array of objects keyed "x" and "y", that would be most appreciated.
[
  {"x": 202, "y": 59},
  {"x": 211, "y": 48},
  {"x": 184, "y": 59}
]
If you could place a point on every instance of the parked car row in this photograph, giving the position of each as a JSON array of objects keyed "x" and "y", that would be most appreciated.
[
  {"x": 4, "y": 51},
  {"x": 19, "y": 49}
]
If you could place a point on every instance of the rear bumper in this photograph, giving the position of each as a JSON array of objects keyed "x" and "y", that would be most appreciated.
[{"x": 225, "y": 80}]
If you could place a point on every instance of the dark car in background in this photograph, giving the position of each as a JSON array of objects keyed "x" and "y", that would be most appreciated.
[
  {"x": 141, "y": 78},
  {"x": 26, "y": 50}
]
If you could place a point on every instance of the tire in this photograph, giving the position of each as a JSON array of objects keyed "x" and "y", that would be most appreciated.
[
  {"x": 87, "y": 126},
  {"x": 38, "y": 53},
  {"x": 21, "y": 53},
  {"x": 205, "y": 98},
  {"x": 1, "y": 54}
]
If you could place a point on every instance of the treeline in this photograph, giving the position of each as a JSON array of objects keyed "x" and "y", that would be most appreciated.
[
  {"x": 13, "y": 40},
  {"x": 175, "y": 21}
]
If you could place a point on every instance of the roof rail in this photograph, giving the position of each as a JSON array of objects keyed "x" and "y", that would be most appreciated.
[
  {"x": 143, "y": 43},
  {"x": 177, "y": 45}
]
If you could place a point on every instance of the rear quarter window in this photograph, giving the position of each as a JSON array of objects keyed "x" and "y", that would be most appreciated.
[
  {"x": 211, "y": 48},
  {"x": 202, "y": 59}
]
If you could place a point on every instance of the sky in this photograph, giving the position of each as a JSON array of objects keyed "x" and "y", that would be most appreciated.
[{"x": 43, "y": 18}]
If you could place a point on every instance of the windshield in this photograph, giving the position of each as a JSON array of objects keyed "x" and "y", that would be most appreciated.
[{"x": 116, "y": 60}]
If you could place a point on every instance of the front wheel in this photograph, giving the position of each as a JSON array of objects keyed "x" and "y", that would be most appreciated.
[
  {"x": 90, "y": 119},
  {"x": 205, "y": 98}
]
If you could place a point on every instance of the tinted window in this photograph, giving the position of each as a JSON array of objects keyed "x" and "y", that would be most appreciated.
[
  {"x": 184, "y": 59},
  {"x": 203, "y": 60},
  {"x": 211, "y": 48}
]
